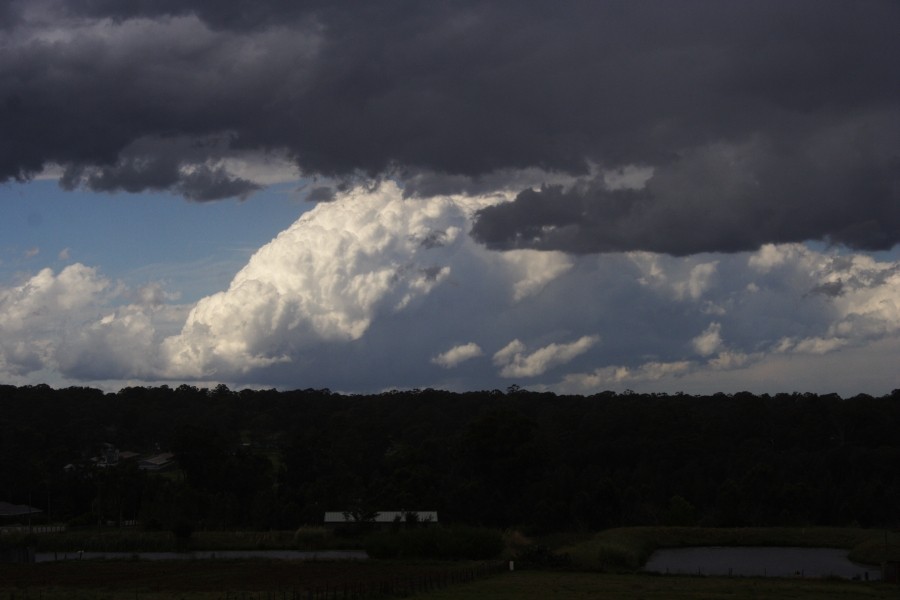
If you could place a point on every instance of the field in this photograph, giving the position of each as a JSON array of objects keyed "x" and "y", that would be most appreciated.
[
  {"x": 134, "y": 540},
  {"x": 603, "y": 565},
  {"x": 535, "y": 585},
  {"x": 286, "y": 580},
  {"x": 202, "y": 579}
]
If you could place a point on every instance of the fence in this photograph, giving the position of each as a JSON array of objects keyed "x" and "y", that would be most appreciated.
[{"x": 31, "y": 529}]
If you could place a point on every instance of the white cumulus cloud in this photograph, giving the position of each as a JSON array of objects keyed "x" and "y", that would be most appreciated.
[
  {"x": 698, "y": 282},
  {"x": 602, "y": 378},
  {"x": 458, "y": 354},
  {"x": 41, "y": 301},
  {"x": 75, "y": 323},
  {"x": 515, "y": 362},
  {"x": 685, "y": 278},
  {"x": 709, "y": 341},
  {"x": 534, "y": 269}
]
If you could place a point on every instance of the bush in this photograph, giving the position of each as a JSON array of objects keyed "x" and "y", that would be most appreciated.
[
  {"x": 9, "y": 541},
  {"x": 82, "y": 520},
  {"x": 540, "y": 556},
  {"x": 382, "y": 545},
  {"x": 313, "y": 538},
  {"x": 470, "y": 543},
  {"x": 183, "y": 530}
]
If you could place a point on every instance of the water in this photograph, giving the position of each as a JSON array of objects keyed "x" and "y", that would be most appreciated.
[
  {"x": 205, "y": 555},
  {"x": 760, "y": 562}
]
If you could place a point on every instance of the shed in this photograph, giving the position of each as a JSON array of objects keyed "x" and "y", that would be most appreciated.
[
  {"x": 14, "y": 517},
  {"x": 159, "y": 462},
  {"x": 386, "y": 517},
  {"x": 8, "y": 510}
]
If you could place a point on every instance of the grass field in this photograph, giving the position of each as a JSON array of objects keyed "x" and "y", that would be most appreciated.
[
  {"x": 256, "y": 579},
  {"x": 535, "y": 585},
  {"x": 622, "y": 549},
  {"x": 274, "y": 580},
  {"x": 603, "y": 566}
]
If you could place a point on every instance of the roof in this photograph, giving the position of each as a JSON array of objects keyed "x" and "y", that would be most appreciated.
[
  {"x": 388, "y": 516},
  {"x": 15, "y": 510},
  {"x": 159, "y": 459}
]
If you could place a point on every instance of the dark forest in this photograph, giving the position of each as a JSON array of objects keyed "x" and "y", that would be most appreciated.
[{"x": 279, "y": 459}]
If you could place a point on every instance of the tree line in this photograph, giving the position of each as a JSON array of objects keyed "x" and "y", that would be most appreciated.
[{"x": 268, "y": 459}]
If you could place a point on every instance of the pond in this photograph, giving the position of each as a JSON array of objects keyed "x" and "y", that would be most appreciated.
[
  {"x": 205, "y": 555},
  {"x": 760, "y": 562}
]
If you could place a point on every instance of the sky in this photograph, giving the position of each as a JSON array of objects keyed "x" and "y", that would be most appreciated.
[{"x": 698, "y": 196}]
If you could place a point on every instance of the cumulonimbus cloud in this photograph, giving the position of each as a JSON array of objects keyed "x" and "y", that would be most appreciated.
[
  {"x": 363, "y": 292},
  {"x": 325, "y": 279}
]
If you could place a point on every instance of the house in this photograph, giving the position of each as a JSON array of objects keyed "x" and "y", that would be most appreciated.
[
  {"x": 108, "y": 457},
  {"x": 16, "y": 517},
  {"x": 157, "y": 462},
  {"x": 16, "y": 511},
  {"x": 383, "y": 518}
]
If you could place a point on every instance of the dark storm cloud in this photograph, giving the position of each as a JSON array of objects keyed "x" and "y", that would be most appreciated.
[
  {"x": 159, "y": 165},
  {"x": 322, "y": 193},
  {"x": 840, "y": 183},
  {"x": 456, "y": 94},
  {"x": 229, "y": 14},
  {"x": 205, "y": 183}
]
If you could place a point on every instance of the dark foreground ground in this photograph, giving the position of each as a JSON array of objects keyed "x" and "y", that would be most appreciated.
[
  {"x": 274, "y": 580},
  {"x": 535, "y": 585},
  {"x": 226, "y": 578}
]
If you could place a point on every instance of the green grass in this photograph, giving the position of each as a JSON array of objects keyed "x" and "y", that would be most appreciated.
[
  {"x": 520, "y": 585},
  {"x": 607, "y": 561},
  {"x": 215, "y": 579},
  {"x": 627, "y": 549},
  {"x": 537, "y": 585}
]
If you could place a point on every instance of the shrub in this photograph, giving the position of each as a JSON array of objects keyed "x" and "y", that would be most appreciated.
[
  {"x": 10, "y": 541},
  {"x": 540, "y": 556},
  {"x": 82, "y": 520},
  {"x": 183, "y": 530}
]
